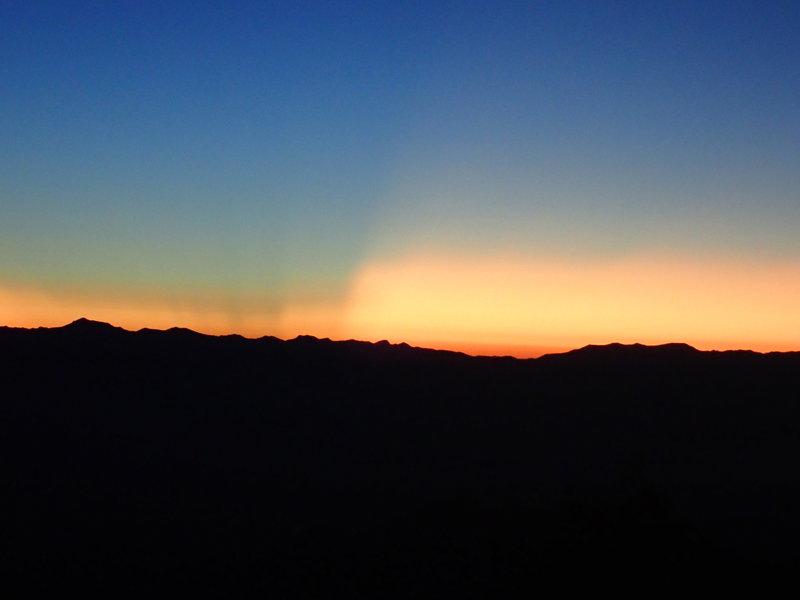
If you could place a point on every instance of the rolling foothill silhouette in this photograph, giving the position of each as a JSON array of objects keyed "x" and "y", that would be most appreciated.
[{"x": 151, "y": 460}]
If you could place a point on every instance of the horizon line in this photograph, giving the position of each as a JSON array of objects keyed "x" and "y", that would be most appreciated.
[{"x": 559, "y": 350}]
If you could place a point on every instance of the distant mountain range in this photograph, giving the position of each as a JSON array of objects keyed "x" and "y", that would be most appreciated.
[
  {"x": 88, "y": 327},
  {"x": 170, "y": 459}
]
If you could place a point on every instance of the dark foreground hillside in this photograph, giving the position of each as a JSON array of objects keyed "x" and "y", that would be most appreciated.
[{"x": 153, "y": 461}]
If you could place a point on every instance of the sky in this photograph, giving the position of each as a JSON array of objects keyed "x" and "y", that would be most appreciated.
[{"x": 491, "y": 177}]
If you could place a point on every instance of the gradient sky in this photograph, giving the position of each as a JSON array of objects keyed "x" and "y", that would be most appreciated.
[{"x": 487, "y": 176}]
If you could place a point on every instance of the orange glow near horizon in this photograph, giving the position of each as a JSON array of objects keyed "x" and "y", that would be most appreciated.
[
  {"x": 27, "y": 307},
  {"x": 516, "y": 303},
  {"x": 493, "y": 306}
]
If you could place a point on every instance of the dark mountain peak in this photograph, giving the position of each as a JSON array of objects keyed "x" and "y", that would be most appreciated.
[
  {"x": 617, "y": 351},
  {"x": 616, "y": 347},
  {"x": 184, "y": 331},
  {"x": 87, "y": 325},
  {"x": 268, "y": 338},
  {"x": 171, "y": 332},
  {"x": 305, "y": 338}
]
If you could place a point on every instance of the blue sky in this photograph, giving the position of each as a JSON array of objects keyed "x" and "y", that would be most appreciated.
[{"x": 249, "y": 146}]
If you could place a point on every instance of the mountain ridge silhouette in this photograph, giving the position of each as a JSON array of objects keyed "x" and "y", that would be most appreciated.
[
  {"x": 305, "y": 467},
  {"x": 611, "y": 349}
]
